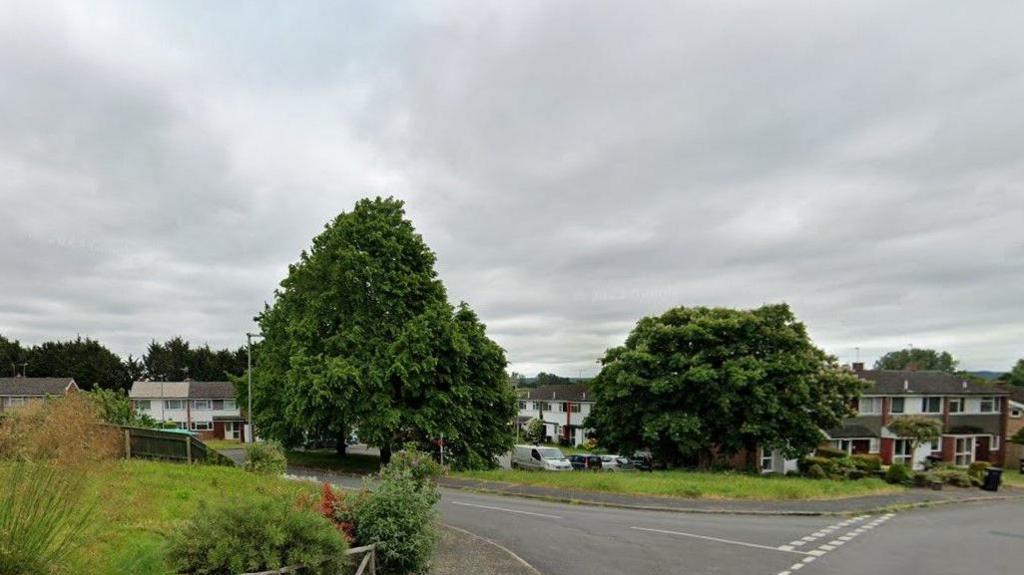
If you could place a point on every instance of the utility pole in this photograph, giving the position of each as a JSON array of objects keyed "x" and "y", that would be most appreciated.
[{"x": 248, "y": 413}]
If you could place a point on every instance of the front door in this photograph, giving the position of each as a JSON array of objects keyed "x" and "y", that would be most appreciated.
[{"x": 981, "y": 448}]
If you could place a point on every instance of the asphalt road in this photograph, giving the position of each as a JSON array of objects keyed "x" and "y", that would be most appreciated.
[{"x": 560, "y": 539}]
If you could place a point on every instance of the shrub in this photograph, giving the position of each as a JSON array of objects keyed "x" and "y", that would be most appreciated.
[
  {"x": 265, "y": 458},
  {"x": 867, "y": 462},
  {"x": 816, "y": 471},
  {"x": 952, "y": 476},
  {"x": 978, "y": 468},
  {"x": 899, "y": 473},
  {"x": 535, "y": 431},
  {"x": 416, "y": 465},
  {"x": 248, "y": 536},
  {"x": 807, "y": 462},
  {"x": 42, "y": 518},
  {"x": 67, "y": 430},
  {"x": 829, "y": 452},
  {"x": 399, "y": 517}
]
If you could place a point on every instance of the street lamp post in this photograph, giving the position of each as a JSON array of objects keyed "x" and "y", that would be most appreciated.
[{"x": 248, "y": 414}]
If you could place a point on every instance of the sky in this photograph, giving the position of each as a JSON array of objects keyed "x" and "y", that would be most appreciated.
[{"x": 574, "y": 165}]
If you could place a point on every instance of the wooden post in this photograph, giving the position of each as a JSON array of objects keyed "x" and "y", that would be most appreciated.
[
  {"x": 127, "y": 444},
  {"x": 188, "y": 448}
]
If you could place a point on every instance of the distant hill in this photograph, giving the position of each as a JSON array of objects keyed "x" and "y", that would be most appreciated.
[{"x": 985, "y": 374}]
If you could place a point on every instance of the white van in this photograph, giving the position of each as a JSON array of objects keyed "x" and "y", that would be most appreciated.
[{"x": 539, "y": 458}]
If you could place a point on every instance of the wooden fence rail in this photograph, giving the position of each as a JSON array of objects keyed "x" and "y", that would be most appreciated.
[
  {"x": 368, "y": 566},
  {"x": 169, "y": 445}
]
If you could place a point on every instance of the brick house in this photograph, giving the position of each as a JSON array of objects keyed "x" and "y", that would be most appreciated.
[
  {"x": 562, "y": 408},
  {"x": 16, "y": 392},
  {"x": 208, "y": 408},
  {"x": 974, "y": 417},
  {"x": 1015, "y": 422}
]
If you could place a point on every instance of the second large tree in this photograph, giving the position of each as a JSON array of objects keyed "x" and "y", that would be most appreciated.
[{"x": 361, "y": 336}]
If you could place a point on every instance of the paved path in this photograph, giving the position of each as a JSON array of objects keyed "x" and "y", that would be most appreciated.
[{"x": 564, "y": 539}]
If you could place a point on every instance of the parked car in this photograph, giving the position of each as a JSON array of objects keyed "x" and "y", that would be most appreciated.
[
  {"x": 616, "y": 463},
  {"x": 642, "y": 461},
  {"x": 539, "y": 458},
  {"x": 585, "y": 462}
]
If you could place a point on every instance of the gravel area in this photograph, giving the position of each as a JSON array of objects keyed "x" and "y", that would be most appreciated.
[{"x": 461, "y": 553}]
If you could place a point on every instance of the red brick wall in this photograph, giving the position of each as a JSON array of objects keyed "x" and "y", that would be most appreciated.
[{"x": 886, "y": 448}]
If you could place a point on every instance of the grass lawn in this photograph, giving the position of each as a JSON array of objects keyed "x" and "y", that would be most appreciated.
[
  {"x": 693, "y": 484},
  {"x": 142, "y": 502},
  {"x": 359, "y": 463},
  {"x": 1013, "y": 477},
  {"x": 219, "y": 444}
]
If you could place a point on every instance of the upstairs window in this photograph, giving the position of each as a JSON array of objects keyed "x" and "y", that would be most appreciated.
[
  {"x": 988, "y": 405},
  {"x": 522, "y": 405},
  {"x": 898, "y": 404},
  {"x": 202, "y": 404},
  {"x": 141, "y": 404},
  {"x": 870, "y": 406},
  {"x": 931, "y": 405},
  {"x": 956, "y": 405},
  {"x": 229, "y": 405},
  {"x": 173, "y": 404}
]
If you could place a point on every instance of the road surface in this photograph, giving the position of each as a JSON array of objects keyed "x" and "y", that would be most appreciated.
[{"x": 561, "y": 539}]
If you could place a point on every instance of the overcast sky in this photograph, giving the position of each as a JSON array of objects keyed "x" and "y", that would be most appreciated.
[{"x": 575, "y": 165}]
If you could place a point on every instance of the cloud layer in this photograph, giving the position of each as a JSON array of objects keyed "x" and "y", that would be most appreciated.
[{"x": 575, "y": 165}]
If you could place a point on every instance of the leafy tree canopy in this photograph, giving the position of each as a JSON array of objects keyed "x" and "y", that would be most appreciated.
[
  {"x": 176, "y": 359},
  {"x": 922, "y": 359},
  {"x": 1016, "y": 375},
  {"x": 88, "y": 361},
  {"x": 693, "y": 383},
  {"x": 361, "y": 335},
  {"x": 917, "y": 428}
]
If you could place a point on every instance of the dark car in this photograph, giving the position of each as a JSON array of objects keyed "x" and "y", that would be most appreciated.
[
  {"x": 642, "y": 461},
  {"x": 585, "y": 462}
]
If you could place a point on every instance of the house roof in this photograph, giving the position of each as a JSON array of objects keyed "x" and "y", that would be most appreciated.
[
  {"x": 35, "y": 386},
  {"x": 903, "y": 382},
  {"x": 1016, "y": 392},
  {"x": 572, "y": 392},
  {"x": 211, "y": 390},
  {"x": 853, "y": 431}
]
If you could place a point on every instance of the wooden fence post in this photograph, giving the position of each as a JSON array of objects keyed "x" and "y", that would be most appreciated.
[
  {"x": 127, "y": 444},
  {"x": 188, "y": 448}
]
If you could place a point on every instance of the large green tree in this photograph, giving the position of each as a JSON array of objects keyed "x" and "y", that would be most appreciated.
[
  {"x": 176, "y": 359},
  {"x": 12, "y": 357},
  {"x": 923, "y": 359},
  {"x": 88, "y": 361},
  {"x": 361, "y": 336},
  {"x": 1016, "y": 375},
  {"x": 696, "y": 384}
]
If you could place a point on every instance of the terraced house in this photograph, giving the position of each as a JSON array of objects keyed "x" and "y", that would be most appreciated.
[
  {"x": 19, "y": 391},
  {"x": 206, "y": 407},
  {"x": 974, "y": 418},
  {"x": 562, "y": 409}
]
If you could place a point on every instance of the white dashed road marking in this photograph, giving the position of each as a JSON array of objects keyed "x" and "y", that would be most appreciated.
[
  {"x": 464, "y": 504},
  {"x": 824, "y": 548},
  {"x": 718, "y": 539}
]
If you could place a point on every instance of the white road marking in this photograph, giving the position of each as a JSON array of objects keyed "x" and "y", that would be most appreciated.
[
  {"x": 505, "y": 509},
  {"x": 824, "y": 548},
  {"x": 718, "y": 539}
]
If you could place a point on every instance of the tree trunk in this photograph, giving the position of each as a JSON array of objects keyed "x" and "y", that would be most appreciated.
[
  {"x": 385, "y": 454},
  {"x": 341, "y": 442}
]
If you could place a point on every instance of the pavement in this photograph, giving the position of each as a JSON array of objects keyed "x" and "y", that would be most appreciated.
[{"x": 571, "y": 539}]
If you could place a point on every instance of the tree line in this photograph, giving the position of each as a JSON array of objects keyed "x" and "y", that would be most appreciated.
[{"x": 94, "y": 366}]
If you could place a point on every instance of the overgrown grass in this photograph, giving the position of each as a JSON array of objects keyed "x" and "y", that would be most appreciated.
[
  {"x": 1013, "y": 477},
  {"x": 693, "y": 484},
  {"x": 359, "y": 463},
  {"x": 143, "y": 502},
  {"x": 220, "y": 444}
]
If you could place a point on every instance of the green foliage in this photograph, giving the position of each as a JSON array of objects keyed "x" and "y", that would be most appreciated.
[
  {"x": 1018, "y": 437},
  {"x": 816, "y": 471},
  {"x": 867, "y": 462},
  {"x": 926, "y": 479},
  {"x": 399, "y": 517},
  {"x": 265, "y": 457},
  {"x": 922, "y": 359},
  {"x": 952, "y": 475},
  {"x": 918, "y": 429},
  {"x": 694, "y": 382},
  {"x": 42, "y": 518},
  {"x": 116, "y": 408},
  {"x": 414, "y": 465},
  {"x": 899, "y": 474},
  {"x": 86, "y": 360},
  {"x": 176, "y": 359},
  {"x": 248, "y": 536},
  {"x": 1014, "y": 377},
  {"x": 830, "y": 452},
  {"x": 361, "y": 335},
  {"x": 535, "y": 431},
  {"x": 978, "y": 468}
]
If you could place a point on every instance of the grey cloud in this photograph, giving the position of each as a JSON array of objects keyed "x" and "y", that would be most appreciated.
[{"x": 574, "y": 165}]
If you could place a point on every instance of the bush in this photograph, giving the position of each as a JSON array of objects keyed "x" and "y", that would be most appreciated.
[
  {"x": 243, "y": 537},
  {"x": 867, "y": 462},
  {"x": 416, "y": 465},
  {"x": 829, "y": 452},
  {"x": 900, "y": 474},
  {"x": 816, "y": 471},
  {"x": 42, "y": 518},
  {"x": 809, "y": 461},
  {"x": 952, "y": 476},
  {"x": 978, "y": 468},
  {"x": 399, "y": 517},
  {"x": 267, "y": 458}
]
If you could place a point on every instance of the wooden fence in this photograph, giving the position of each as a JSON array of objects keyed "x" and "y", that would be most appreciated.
[
  {"x": 169, "y": 445},
  {"x": 368, "y": 566}
]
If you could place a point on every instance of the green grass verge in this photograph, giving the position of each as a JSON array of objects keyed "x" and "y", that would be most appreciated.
[
  {"x": 693, "y": 484},
  {"x": 220, "y": 444},
  {"x": 359, "y": 463},
  {"x": 142, "y": 502},
  {"x": 1013, "y": 477}
]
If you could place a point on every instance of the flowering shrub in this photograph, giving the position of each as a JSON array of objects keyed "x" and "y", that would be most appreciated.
[{"x": 416, "y": 465}]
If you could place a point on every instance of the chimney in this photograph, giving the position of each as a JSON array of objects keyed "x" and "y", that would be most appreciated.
[
  {"x": 858, "y": 366},
  {"x": 584, "y": 396},
  {"x": 964, "y": 384},
  {"x": 906, "y": 385}
]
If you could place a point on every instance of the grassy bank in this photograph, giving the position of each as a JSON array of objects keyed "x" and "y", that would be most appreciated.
[
  {"x": 140, "y": 503},
  {"x": 1013, "y": 477},
  {"x": 692, "y": 484}
]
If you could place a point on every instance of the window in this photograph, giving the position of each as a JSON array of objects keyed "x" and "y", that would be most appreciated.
[
  {"x": 870, "y": 406},
  {"x": 202, "y": 404},
  {"x": 174, "y": 404},
  {"x": 542, "y": 406},
  {"x": 897, "y": 404},
  {"x": 1017, "y": 413},
  {"x": 229, "y": 405},
  {"x": 202, "y": 425},
  {"x": 767, "y": 464},
  {"x": 181, "y": 425},
  {"x": 936, "y": 444},
  {"x": 903, "y": 453},
  {"x": 956, "y": 405},
  {"x": 522, "y": 405},
  {"x": 964, "y": 454},
  {"x": 141, "y": 404},
  {"x": 993, "y": 443},
  {"x": 843, "y": 444},
  {"x": 873, "y": 445},
  {"x": 16, "y": 401},
  {"x": 988, "y": 404},
  {"x": 931, "y": 405}
]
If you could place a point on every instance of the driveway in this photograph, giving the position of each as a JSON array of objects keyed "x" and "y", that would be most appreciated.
[{"x": 563, "y": 539}]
